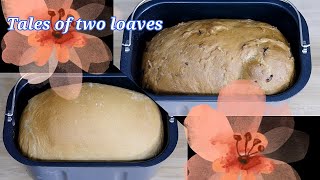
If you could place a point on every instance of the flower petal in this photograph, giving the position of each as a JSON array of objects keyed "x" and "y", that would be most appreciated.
[
  {"x": 67, "y": 81},
  {"x": 37, "y": 74},
  {"x": 57, "y": 4},
  {"x": 90, "y": 11},
  {"x": 105, "y": 13},
  {"x": 230, "y": 176},
  {"x": 23, "y": 9},
  {"x": 242, "y": 98},
  {"x": 244, "y": 124},
  {"x": 216, "y": 176},
  {"x": 81, "y": 3},
  {"x": 94, "y": 52},
  {"x": 33, "y": 39},
  {"x": 28, "y": 56},
  {"x": 92, "y": 68},
  {"x": 295, "y": 149},
  {"x": 71, "y": 12},
  {"x": 231, "y": 164},
  {"x": 276, "y": 138},
  {"x": 15, "y": 46},
  {"x": 208, "y": 132},
  {"x": 264, "y": 166},
  {"x": 252, "y": 177},
  {"x": 259, "y": 177},
  {"x": 76, "y": 60},
  {"x": 249, "y": 176},
  {"x": 199, "y": 168},
  {"x": 62, "y": 53},
  {"x": 269, "y": 123},
  {"x": 42, "y": 55},
  {"x": 79, "y": 40},
  {"x": 282, "y": 171}
]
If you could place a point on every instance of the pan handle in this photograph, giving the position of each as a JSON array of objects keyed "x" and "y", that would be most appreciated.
[
  {"x": 304, "y": 44},
  {"x": 9, "y": 113},
  {"x": 128, "y": 42}
]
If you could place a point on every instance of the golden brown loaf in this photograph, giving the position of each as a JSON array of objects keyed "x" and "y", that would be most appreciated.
[
  {"x": 103, "y": 123},
  {"x": 200, "y": 57}
]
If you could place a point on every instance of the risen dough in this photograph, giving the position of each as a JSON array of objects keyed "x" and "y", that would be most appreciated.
[
  {"x": 103, "y": 123},
  {"x": 200, "y": 57}
]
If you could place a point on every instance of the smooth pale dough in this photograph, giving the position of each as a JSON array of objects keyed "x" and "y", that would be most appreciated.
[
  {"x": 104, "y": 123},
  {"x": 200, "y": 57}
]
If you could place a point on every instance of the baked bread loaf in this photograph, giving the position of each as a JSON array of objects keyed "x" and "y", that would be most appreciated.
[
  {"x": 200, "y": 57},
  {"x": 104, "y": 123}
]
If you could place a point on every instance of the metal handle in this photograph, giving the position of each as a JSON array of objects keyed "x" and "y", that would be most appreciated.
[
  {"x": 303, "y": 42},
  {"x": 9, "y": 114},
  {"x": 171, "y": 119},
  {"x": 128, "y": 42}
]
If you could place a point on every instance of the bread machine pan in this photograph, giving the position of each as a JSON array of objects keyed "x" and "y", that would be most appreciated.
[
  {"x": 279, "y": 13},
  {"x": 57, "y": 170}
]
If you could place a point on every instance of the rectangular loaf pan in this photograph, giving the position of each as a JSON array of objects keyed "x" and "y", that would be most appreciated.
[
  {"x": 280, "y": 14},
  {"x": 48, "y": 170}
]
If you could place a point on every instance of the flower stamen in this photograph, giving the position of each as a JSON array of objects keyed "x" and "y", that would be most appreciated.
[
  {"x": 52, "y": 14},
  {"x": 237, "y": 138},
  {"x": 62, "y": 13},
  {"x": 255, "y": 142},
  {"x": 248, "y": 137},
  {"x": 244, "y": 159}
]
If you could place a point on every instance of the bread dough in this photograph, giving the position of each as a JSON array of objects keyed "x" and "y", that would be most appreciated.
[
  {"x": 200, "y": 57},
  {"x": 104, "y": 123}
]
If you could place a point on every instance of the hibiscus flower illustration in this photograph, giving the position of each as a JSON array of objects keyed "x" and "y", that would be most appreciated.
[
  {"x": 39, "y": 53},
  {"x": 242, "y": 147}
]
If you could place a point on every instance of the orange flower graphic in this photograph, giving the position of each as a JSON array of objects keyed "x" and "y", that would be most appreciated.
[
  {"x": 242, "y": 147},
  {"x": 40, "y": 52}
]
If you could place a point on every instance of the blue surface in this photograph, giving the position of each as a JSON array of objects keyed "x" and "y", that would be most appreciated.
[
  {"x": 26, "y": 91},
  {"x": 274, "y": 12}
]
